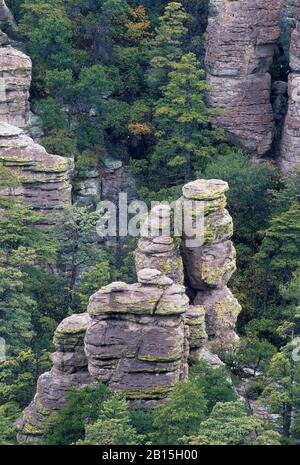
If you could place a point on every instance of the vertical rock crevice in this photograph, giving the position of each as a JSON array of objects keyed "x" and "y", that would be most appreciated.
[
  {"x": 290, "y": 144},
  {"x": 240, "y": 45}
]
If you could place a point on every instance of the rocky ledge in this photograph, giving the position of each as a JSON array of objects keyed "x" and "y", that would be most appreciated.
[{"x": 44, "y": 178}]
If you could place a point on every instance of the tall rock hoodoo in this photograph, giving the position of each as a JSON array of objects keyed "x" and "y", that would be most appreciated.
[
  {"x": 138, "y": 338},
  {"x": 240, "y": 45}
]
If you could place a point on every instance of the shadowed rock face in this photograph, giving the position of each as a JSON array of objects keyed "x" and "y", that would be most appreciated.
[
  {"x": 139, "y": 337},
  {"x": 290, "y": 146},
  {"x": 240, "y": 45}
]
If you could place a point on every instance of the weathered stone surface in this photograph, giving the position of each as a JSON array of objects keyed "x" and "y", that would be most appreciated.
[
  {"x": 173, "y": 301},
  {"x": 202, "y": 189},
  {"x": 141, "y": 356},
  {"x": 204, "y": 354},
  {"x": 15, "y": 80},
  {"x": 45, "y": 178},
  {"x": 210, "y": 266},
  {"x": 211, "y": 261},
  {"x": 240, "y": 45},
  {"x": 157, "y": 249},
  {"x": 290, "y": 146},
  {"x": 70, "y": 334},
  {"x": 153, "y": 277},
  {"x": 197, "y": 336},
  {"x": 70, "y": 371},
  {"x": 125, "y": 298},
  {"x": 221, "y": 312}
]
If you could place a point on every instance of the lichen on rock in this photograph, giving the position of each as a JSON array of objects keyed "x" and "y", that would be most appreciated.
[{"x": 138, "y": 338}]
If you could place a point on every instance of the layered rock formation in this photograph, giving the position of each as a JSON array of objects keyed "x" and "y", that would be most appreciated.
[
  {"x": 44, "y": 178},
  {"x": 240, "y": 45},
  {"x": 69, "y": 372},
  {"x": 139, "y": 337},
  {"x": 15, "y": 80},
  {"x": 290, "y": 146},
  {"x": 209, "y": 266}
]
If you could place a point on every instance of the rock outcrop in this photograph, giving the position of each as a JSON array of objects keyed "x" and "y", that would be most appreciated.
[
  {"x": 140, "y": 337},
  {"x": 44, "y": 178},
  {"x": 15, "y": 80},
  {"x": 157, "y": 249},
  {"x": 209, "y": 267},
  {"x": 6, "y": 17},
  {"x": 69, "y": 372},
  {"x": 290, "y": 146},
  {"x": 240, "y": 45}
]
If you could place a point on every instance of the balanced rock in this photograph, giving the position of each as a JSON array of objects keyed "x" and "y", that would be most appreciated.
[
  {"x": 138, "y": 338},
  {"x": 211, "y": 262}
]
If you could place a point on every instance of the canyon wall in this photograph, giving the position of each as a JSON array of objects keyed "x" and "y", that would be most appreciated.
[
  {"x": 257, "y": 115},
  {"x": 138, "y": 338},
  {"x": 290, "y": 145},
  {"x": 240, "y": 44}
]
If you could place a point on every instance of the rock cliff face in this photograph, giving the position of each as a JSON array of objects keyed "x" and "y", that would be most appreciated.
[
  {"x": 15, "y": 80},
  {"x": 138, "y": 338},
  {"x": 290, "y": 147},
  {"x": 44, "y": 178},
  {"x": 240, "y": 45}
]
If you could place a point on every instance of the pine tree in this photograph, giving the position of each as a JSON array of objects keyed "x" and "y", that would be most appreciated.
[
  {"x": 113, "y": 426},
  {"x": 230, "y": 423},
  {"x": 167, "y": 46},
  {"x": 185, "y": 138},
  {"x": 282, "y": 393}
]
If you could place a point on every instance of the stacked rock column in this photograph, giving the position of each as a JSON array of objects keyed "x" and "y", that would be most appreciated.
[
  {"x": 138, "y": 337},
  {"x": 210, "y": 266},
  {"x": 136, "y": 342}
]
